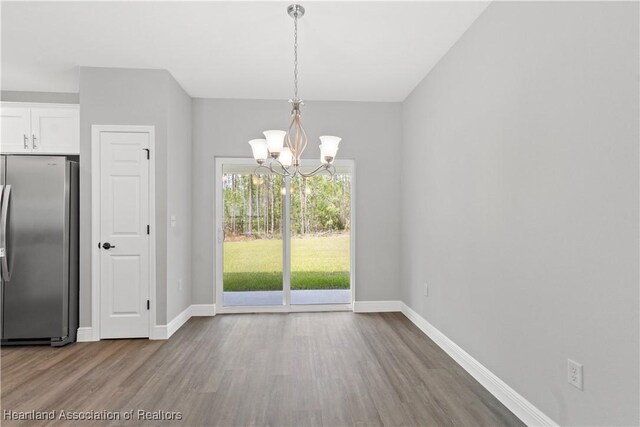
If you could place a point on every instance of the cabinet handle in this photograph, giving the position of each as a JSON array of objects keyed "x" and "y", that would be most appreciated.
[
  {"x": 26, "y": 142},
  {"x": 34, "y": 139}
]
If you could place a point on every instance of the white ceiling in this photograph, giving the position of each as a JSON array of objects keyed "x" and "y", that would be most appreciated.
[{"x": 356, "y": 51}]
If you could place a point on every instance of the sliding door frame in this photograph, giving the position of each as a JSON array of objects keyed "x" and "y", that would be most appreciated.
[{"x": 218, "y": 246}]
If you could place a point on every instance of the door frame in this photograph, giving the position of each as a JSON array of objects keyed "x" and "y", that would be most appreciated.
[
  {"x": 218, "y": 233},
  {"x": 95, "y": 222}
]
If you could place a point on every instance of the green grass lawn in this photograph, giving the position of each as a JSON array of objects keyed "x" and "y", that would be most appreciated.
[{"x": 316, "y": 263}]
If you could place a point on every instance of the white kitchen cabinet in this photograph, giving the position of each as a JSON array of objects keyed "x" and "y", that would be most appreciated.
[
  {"x": 16, "y": 130},
  {"x": 55, "y": 130},
  {"x": 40, "y": 128}
]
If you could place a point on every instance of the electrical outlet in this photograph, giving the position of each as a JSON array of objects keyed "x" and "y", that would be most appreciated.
[
  {"x": 574, "y": 370},
  {"x": 426, "y": 289},
  {"x": 180, "y": 284}
]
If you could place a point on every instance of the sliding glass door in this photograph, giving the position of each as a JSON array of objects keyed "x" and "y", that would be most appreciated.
[
  {"x": 320, "y": 239},
  {"x": 253, "y": 246},
  {"x": 282, "y": 243}
]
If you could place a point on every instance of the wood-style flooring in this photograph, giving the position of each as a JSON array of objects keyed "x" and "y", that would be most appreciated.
[{"x": 298, "y": 369}]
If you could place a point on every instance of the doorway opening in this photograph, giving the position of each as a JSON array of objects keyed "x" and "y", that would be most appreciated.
[{"x": 283, "y": 244}]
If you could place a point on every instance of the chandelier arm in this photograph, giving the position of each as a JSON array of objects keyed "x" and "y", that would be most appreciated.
[
  {"x": 283, "y": 173},
  {"x": 285, "y": 170},
  {"x": 275, "y": 171},
  {"x": 331, "y": 170},
  {"x": 316, "y": 171},
  {"x": 269, "y": 168}
]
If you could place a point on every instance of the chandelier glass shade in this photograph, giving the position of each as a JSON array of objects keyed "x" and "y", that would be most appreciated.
[{"x": 281, "y": 151}]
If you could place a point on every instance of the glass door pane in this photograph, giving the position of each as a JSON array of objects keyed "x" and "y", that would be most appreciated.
[
  {"x": 252, "y": 251},
  {"x": 320, "y": 239}
]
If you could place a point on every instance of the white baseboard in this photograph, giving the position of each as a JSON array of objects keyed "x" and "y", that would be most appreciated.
[
  {"x": 159, "y": 332},
  {"x": 376, "y": 306},
  {"x": 203, "y": 309},
  {"x": 178, "y": 321},
  {"x": 164, "y": 332},
  {"x": 510, "y": 398},
  {"x": 85, "y": 334}
]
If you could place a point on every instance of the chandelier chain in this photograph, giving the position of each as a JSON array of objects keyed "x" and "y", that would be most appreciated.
[{"x": 295, "y": 56}]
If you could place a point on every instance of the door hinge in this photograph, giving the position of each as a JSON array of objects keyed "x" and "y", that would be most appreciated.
[
  {"x": 148, "y": 229},
  {"x": 148, "y": 152},
  {"x": 148, "y": 305}
]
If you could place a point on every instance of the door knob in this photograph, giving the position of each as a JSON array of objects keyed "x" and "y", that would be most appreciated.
[{"x": 107, "y": 245}]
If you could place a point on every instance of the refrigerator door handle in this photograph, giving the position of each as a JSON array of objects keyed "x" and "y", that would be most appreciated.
[
  {"x": 6, "y": 193},
  {"x": 2, "y": 248}
]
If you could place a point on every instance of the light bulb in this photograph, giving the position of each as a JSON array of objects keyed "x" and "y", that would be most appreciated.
[{"x": 259, "y": 148}]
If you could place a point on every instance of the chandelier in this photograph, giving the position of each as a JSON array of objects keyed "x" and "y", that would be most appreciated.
[{"x": 283, "y": 149}]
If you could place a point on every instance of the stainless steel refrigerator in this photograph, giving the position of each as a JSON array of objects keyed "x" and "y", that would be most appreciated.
[{"x": 38, "y": 250}]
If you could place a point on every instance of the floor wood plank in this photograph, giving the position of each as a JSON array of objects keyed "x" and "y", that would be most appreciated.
[{"x": 297, "y": 369}]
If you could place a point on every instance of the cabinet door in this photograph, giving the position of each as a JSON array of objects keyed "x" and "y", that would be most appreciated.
[
  {"x": 55, "y": 130},
  {"x": 16, "y": 130}
]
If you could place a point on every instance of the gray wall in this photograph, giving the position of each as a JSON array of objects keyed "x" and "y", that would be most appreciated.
[
  {"x": 110, "y": 96},
  {"x": 47, "y": 97},
  {"x": 179, "y": 194},
  {"x": 520, "y": 202},
  {"x": 371, "y": 136}
]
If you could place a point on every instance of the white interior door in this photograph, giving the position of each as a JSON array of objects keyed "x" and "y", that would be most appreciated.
[{"x": 124, "y": 239}]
